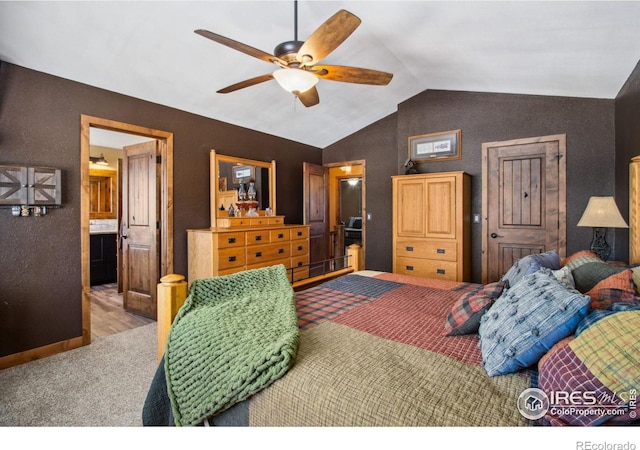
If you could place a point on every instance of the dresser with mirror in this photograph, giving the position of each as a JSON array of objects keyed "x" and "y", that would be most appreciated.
[{"x": 245, "y": 234}]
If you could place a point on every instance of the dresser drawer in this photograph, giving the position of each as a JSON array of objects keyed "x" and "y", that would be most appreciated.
[
  {"x": 274, "y": 262},
  {"x": 236, "y": 222},
  {"x": 226, "y": 240},
  {"x": 300, "y": 261},
  {"x": 262, "y": 220},
  {"x": 276, "y": 220},
  {"x": 299, "y": 274},
  {"x": 299, "y": 233},
  {"x": 268, "y": 252},
  {"x": 231, "y": 257},
  {"x": 445, "y": 270},
  {"x": 439, "y": 250},
  {"x": 258, "y": 237},
  {"x": 279, "y": 235},
  {"x": 299, "y": 248}
]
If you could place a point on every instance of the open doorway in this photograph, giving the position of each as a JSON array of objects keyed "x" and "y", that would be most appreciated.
[
  {"x": 109, "y": 315},
  {"x": 347, "y": 201},
  {"x": 96, "y": 235}
]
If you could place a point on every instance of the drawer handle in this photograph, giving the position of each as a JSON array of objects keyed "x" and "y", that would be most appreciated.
[
  {"x": 409, "y": 249},
  {"x": 440, "y": 250},
  {"x": 409, "y": 267},
  {"x": 299, "y": 264},
  {"x": 440, "y": 271},
  {"x": 280, "y": 236},
  {"x": 259, "y": 238},
  {"x": 231, "y": 241},
  {"x": 299, "y": 247},
  {"x": 232, "y": 258},
  {"x": 299, "y": 233},
  {"x": 258, "y": 254},
  {"x": 280, "y": 251}
]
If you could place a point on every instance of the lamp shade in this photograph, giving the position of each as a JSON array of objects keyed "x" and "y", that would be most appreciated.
[
  {"x": 602, "y": 212},
  {"x": 295, "y": 80}
]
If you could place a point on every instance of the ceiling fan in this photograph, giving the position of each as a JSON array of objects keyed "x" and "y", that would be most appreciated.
[{"x": 299, "y": 71}]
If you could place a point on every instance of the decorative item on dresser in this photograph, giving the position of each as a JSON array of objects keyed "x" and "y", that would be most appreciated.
[{"x": 431, "y": 225}]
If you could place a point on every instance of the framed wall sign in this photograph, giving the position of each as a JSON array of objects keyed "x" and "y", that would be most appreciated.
[
  {"x": 436, "y": 146},
  {"x": 241, "y": 173}
]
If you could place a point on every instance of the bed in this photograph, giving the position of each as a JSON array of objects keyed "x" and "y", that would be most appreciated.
[{"x": 383, "y": 349}]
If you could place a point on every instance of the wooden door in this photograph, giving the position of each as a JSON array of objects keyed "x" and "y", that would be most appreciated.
[
  {"x": 140, "y": 228},
  {"x": 316, "y": 213},
  {"x": 523, "y": 201}
]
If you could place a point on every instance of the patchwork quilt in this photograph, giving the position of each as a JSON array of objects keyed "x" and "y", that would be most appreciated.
[{"x": 373, "y": 352}]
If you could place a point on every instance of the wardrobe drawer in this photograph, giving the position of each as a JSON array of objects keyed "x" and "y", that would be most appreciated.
[
  {"x": 231, "y": 257},
  {"x": 440, "y": 250},
  {"x": 268, "y": 252},
  {"x": 445, "y": 270},
  {"x": 226, "y": 240}
]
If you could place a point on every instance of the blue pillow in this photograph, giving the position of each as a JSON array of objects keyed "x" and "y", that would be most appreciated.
[
  {"x": 530, "y": 264},
  {"x": 527, "y": 320}
]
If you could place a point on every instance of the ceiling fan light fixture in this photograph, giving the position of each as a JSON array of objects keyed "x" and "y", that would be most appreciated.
[{"x": 295, "y": 81}]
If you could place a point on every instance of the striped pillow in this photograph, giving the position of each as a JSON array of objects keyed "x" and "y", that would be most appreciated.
[{"x": 527, "y": 320}]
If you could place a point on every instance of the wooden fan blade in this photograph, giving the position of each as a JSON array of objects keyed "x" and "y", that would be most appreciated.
[
  {"x": 246, "y": 83},
  {"x": 352, "y": 75},
  {"x": 239, "y": 46},
  {"x": 309, "y": 97},
  {"x": 327, "y": 37}
]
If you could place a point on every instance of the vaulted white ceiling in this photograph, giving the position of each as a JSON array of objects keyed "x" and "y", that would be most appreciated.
[{"x": 149, "y": 50}]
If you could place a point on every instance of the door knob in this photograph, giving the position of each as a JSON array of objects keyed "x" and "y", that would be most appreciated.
[{"x": 495, "y": 235}]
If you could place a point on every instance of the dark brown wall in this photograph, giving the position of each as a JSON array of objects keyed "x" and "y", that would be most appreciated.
[
  {"x": 484, "y": 117},
  {"x": 377, "y": 145},
  {"x": 627, "y": 146},
  {"x": 40, "y": 286}
]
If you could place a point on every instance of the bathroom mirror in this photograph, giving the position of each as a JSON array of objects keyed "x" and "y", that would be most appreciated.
[{"x": 228, "y": 172}]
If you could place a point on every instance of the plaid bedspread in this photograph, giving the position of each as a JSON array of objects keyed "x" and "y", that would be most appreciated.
[{"x": 372, "y": 353}]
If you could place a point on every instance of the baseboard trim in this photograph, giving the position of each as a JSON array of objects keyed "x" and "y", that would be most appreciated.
[{"x": 39, "y": 353}]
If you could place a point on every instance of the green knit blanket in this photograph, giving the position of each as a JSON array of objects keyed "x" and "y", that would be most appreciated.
[{"x": 234, "y": 335}]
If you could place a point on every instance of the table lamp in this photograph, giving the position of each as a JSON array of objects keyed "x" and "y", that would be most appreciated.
[{"x": 601, "y": 213}]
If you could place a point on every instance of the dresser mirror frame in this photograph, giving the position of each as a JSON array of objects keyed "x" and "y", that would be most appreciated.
[{"x": 214, "y": 171}]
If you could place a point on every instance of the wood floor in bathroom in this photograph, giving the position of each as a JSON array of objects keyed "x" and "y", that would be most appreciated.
[{"x": 107, "y": 314}]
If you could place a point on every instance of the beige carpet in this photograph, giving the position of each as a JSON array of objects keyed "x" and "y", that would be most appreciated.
[{"x": 103, "y": 384}]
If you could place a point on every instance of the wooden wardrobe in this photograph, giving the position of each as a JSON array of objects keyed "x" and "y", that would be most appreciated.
[{"x": 431, "y": 225}]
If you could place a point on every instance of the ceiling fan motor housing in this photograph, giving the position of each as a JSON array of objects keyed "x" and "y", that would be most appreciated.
[{"x": 287, "y": 51}]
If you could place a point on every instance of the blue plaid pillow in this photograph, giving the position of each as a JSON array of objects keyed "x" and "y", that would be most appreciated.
[{"x": 527, "y": 320}]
